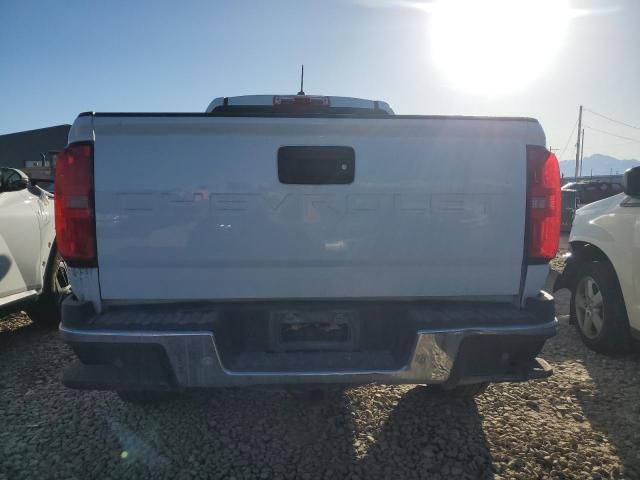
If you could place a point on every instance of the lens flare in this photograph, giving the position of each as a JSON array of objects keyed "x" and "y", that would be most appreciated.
[{"x": 495, "y": 47}]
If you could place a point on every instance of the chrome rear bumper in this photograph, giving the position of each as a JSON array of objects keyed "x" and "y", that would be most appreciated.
[{"x": 193, "y": 358}]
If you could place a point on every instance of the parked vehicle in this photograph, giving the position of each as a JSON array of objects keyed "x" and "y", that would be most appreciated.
[
  {"x": 589, "y": 191},
  {"x": 602, "y": 270},
  {"x": 569, "y": 207},
  {"x": 32, "y": 274},
  {"x": 305, "y": 239}
]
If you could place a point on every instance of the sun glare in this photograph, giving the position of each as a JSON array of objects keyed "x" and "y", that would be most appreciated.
[{"x": 495, "y": 47}]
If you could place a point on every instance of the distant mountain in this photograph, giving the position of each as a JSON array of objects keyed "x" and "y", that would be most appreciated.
[{"x": 598, "y": 164}]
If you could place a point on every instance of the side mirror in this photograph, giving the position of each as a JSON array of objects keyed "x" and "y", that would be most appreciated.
[
  {"x": 632, "y": 182},
  {"x": 22, "y": 184}
]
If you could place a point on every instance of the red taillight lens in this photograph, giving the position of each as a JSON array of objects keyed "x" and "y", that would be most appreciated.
[
  {"x": 75, "y": 219},
  {"x": 543, "y": 205}
]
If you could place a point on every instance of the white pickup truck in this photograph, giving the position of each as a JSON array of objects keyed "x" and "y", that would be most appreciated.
[{"x": 305, "y": 240}]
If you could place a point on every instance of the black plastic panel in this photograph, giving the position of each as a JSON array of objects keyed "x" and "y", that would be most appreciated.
[{"x": 322, "y": 165}]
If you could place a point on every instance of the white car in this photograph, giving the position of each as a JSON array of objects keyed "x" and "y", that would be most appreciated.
[
  {"x": 603, "y": 270},
  {"x": 32, "y": 275}
]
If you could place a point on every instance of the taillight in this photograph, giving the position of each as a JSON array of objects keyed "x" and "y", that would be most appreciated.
[
  {"x": 543, "y": 205},
  {"x": 74, "y": 205}
]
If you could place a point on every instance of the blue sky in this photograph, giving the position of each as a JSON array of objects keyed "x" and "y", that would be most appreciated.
[{"x": 59, "y": 58}]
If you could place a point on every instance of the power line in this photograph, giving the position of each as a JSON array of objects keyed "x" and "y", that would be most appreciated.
[
  {"x": 613, "y": 134},
  {"x": 622, "y": 144},
  {"x": 612, "y": 119},
  {"x": 568, "y": 140}
]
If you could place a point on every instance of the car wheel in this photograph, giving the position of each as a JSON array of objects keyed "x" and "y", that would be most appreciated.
[
  {"x": 598, "y": 310},
  {"x": 46, "y": 310}
]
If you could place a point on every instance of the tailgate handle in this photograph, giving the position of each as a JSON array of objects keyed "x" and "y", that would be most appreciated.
[{"x": 321, "y": 165}]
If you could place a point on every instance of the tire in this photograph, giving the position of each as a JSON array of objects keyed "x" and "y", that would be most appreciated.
[
  {"x": 461, "y": 391},
  {"x": 146, "y": 398},
  {"x": 46, "y": 310},
  {"x": 598, "y": 310}
]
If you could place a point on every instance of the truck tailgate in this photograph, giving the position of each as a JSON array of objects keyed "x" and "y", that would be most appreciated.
[{"x": 194, "y": 208}]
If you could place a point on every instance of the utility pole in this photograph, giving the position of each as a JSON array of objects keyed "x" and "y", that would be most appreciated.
[
  {"x": 581, "y": 151},
  {"x": 578, "y": 143}
]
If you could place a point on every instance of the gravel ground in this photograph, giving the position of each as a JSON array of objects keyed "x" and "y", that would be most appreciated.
[
  {"x": 584, "y": 422},
  {"x": 557, "y": 264}
]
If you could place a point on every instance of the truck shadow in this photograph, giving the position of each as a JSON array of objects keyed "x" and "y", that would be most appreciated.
[
  {"x": 610, "y": 401},
  {"x": 428, "y": 435},
  {"x": 353, "y": 432},
  {"x": 607, "y": 388},
  {"x": 612, "y": 405},
  {"x": 241, "y": 433},
  {"x": 236, "y": 432}
]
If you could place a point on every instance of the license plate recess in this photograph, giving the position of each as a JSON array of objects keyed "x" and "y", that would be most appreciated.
[{"x": 314, "y": 330}]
